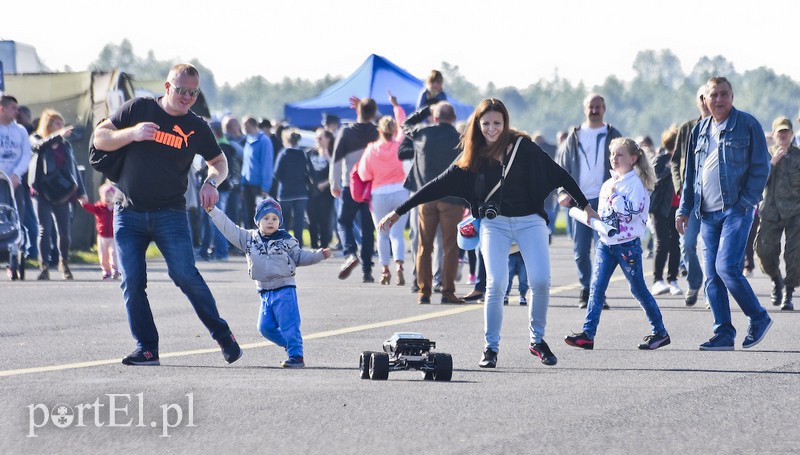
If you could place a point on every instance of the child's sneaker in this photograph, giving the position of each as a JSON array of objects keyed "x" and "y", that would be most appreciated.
[
  {"x": 654, "y": 342},
  {"x": 472, "y": 279},
  {"x": 505, "y": 300},
  {"x": 579, "y": 340},
  {"x": 293, "y": 362},
  {"x": 523, "y": 301}
]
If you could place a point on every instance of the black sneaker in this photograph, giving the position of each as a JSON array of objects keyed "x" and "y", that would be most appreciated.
[
  {"x": 424, "y": 300},
  {"x": 414, "y": 288},
  {"x": 505, "y": 300},
  {"x": 489, "y": 359},
  {"x": 579, "y": 340},
  {"x": 654, "y": 342},
  {"x": 474, "y": 296},
  {"x": 542, "y": 350},
  {"x": 230, "y": 348},
  {"x": 141, "y": 357},
  {"x": 368, "y": 278},
  {"x": 583, "y": 302}
]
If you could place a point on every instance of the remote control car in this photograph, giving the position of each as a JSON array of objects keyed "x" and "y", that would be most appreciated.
[{"x": 406, "y": 351}]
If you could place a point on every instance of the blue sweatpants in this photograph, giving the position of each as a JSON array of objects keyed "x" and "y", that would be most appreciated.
[{"x": 279, "y": 319}]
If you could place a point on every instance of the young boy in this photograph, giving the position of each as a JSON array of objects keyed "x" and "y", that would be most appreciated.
[
  {"x": 272, "y": 258},
  {"x": 103, "y": 211}
]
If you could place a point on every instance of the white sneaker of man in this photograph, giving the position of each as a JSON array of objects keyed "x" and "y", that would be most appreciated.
[
  {"x": 674, "y": 289},
  {"x": 659, "y": 287}
]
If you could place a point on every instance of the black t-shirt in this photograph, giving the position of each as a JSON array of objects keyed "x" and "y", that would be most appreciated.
[{"x": 155, "y": 174}]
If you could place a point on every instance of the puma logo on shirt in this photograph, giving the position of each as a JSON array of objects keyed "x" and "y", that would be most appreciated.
[{"x": 172, "y": 140}]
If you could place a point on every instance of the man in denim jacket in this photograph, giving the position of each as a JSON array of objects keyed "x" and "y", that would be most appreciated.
[{"x": 726, "y": 171}]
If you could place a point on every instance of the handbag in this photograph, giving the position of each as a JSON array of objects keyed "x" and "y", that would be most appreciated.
[
  {"x": 360, "y": 190},
  {"x": 109, "y": 164}
]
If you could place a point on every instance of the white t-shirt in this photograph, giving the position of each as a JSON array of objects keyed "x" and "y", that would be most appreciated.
[
  {"x": 591, "y": 155},
  {"x": 15, "y": 149},
  {"x": 712, "y": 189}
]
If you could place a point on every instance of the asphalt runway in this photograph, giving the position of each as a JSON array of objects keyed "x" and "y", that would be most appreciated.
[{"x": 65, "y": 391}]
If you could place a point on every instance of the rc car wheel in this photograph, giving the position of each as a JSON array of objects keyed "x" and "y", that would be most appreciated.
[
  {"x": 363, "y": 364},
  {"x": 379, "y": 366},
  {"x": 442, "y": 367}
]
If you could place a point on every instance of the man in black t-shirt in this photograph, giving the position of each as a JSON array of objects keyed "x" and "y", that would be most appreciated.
[{"x": 160, "y": 138}]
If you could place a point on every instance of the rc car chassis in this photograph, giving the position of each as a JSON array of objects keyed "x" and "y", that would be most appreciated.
[{"x": 406, "y": 351}]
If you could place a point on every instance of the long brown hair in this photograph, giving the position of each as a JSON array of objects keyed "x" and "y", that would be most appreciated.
[{"x": 473, "y": 144}]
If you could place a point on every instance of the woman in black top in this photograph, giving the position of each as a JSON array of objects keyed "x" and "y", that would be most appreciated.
[{"x": 513, "y": 213}]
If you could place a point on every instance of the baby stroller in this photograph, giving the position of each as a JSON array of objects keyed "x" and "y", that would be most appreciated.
[{"x": 12, "y": 237}]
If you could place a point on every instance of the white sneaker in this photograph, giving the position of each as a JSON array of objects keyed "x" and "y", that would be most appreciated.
[
  {"x": 659, "y": 287},
  {"x": 674, "y": 289}
]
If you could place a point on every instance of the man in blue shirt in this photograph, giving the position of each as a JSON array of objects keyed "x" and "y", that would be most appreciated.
[{"x": 256, "y": 168}]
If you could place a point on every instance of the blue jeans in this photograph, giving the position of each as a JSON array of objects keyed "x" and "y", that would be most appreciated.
[
  {"x": 169, "y": 229},
  {"x": 210, "y": 231},
  {"x": 582, "y": 237},
  {"x": 689, "y": 252},
  {"x": 352, "y": 211},
  {"x": 279, "y": 319},
  {"x": 516, "y": 266},
  {"x": 628, "y": 256},
  {"x": 294, "y": 217},
  {"x": 531, "y": 234},
  {"x": 725, "y": 237}
]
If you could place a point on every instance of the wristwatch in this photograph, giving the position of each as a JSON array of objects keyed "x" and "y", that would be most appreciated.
[{"x": 212, "y": 182}]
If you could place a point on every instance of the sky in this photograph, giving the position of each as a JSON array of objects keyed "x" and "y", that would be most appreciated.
[{"x": 509, "y": 43}]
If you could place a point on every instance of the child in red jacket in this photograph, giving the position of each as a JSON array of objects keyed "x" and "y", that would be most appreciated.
[{"x": 103, "y": 211}]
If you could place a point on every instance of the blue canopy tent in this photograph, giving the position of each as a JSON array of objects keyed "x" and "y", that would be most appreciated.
[{"x": 373, "y": 79}]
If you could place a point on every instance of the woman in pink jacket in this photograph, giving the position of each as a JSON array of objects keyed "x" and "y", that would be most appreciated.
[{"x": 380, "y": 164}]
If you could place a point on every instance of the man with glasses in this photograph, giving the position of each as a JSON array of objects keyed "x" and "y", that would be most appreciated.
[{"x": 160, "y": 138}]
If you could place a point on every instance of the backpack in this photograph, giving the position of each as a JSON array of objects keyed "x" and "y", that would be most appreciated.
[{"x": 55, "y": 184}]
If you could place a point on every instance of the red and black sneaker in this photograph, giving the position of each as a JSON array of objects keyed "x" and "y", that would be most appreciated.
[
  {"x": 543, "y": 352},
  {"x": 580, "y": 340}
]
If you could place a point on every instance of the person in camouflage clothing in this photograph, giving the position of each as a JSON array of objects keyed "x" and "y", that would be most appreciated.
[{"x": 780, "y": 212}]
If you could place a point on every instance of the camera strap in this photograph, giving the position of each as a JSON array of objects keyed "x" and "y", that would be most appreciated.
[{"x": 505, "y": 170}]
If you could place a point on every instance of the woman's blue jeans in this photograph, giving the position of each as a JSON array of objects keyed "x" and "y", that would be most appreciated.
[{"x": 531, "y": 234}]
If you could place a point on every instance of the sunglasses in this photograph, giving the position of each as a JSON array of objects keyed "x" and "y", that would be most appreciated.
[{"x": 185, "y": 91}]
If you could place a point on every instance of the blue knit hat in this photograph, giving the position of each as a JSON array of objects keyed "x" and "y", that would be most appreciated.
[{"x": 268, "y": 205}]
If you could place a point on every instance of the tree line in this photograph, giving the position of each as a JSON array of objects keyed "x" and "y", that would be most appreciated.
[{"x": 660, "y": 94}]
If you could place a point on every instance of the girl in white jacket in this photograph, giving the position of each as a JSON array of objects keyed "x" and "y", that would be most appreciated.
[{"x": 624, "y": 203}]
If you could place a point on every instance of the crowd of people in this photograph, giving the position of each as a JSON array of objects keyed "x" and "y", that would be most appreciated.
[{"x": 247, "y": 184}]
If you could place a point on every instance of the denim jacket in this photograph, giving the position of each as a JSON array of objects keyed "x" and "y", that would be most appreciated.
[{"x": 743, "y": 163}]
